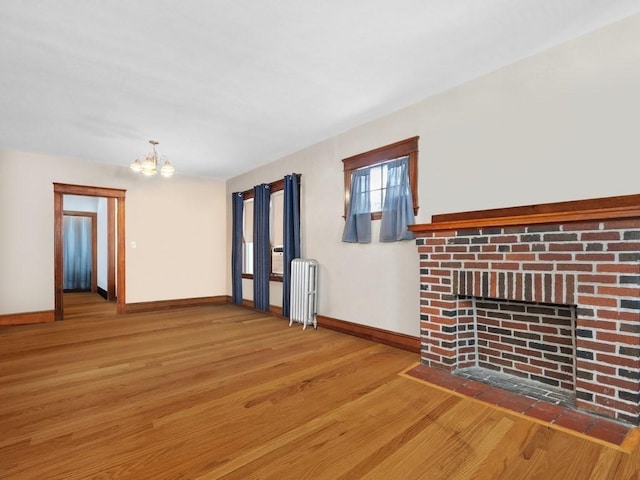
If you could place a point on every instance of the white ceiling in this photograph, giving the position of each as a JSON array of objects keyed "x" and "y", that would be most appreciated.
[{"x": 227, "y": 85}]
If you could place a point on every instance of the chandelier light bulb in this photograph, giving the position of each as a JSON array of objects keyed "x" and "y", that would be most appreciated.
[
  {"x": 136, "y": 166},
  {"x": 149, "y": 166},
  {"x": 167, "y": 169}
]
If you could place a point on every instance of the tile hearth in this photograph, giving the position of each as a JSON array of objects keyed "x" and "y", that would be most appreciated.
[
  {"x": 556, "y": 415},
  {"x": 520, "y": 386}
]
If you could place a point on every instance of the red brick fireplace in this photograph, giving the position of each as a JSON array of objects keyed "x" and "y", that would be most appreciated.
[{"x": 549, "y": 293}]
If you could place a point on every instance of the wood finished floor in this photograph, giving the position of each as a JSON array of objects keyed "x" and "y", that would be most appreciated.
[{"x": 227, "y": 393}]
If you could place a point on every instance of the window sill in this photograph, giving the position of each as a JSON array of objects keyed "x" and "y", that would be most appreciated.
[
  {"x": 378, "y": 215},
  {"x": 274, "y": 277}
]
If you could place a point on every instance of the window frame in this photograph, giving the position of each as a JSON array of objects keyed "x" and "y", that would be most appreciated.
[
  {"x": 274, "y": 187},
  {"x": 378, "y": 156}
]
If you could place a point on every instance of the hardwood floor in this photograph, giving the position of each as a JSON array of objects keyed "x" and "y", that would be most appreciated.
[
  {"x": 87, "y": 306},
  {"x": 223, "y": 392}
]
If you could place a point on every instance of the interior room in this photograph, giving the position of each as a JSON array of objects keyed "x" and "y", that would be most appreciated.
[{"x": 255, "y": 299}]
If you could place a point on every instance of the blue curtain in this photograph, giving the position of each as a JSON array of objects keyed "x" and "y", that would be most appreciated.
[
  {"x": 291, "y": 234},
  {"x": 261, "y": 246},
  {"x": 76, "y": 234},
  {"x": 358, "y": 222},
  {"x": 397, "y": 210},
  {"x": 237, "y": 205}
]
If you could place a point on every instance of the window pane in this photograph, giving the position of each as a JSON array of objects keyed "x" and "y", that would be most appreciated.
[
  {"x": 277, "y": 231},
  {"x": 247, "y": 232},
  {"x": 247, "y": 258},
  {"x": 277, "y": 217},
  {"x": 247, "y": 237},
  {"x": 376, "y": 200},
  {"x": 360, "y": 205},
  {"x": 378, "y": 178},
  {"x": 375, "y": 177}
]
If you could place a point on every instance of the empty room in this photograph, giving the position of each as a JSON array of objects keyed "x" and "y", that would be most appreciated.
[{"x": 320, "y": 240}]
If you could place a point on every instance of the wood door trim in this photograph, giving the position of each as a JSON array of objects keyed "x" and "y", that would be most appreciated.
[
  {"x": 57, "y": 255},
  {"x": 61, "y": 189},
  {"x": 111, "y": 252}
]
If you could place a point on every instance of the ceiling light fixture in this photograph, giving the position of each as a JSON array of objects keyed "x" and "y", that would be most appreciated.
[{"x": 148, "y": 165}]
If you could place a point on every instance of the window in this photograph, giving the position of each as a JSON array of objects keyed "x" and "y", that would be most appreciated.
[
  {"x": 375, "y": 161},
  {"x": 276, "y": 229},
  {"x": 247, "y": 237}
]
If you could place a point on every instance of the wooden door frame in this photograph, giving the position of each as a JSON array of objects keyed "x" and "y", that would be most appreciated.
[
  {"x": 113, "y": 195},
  {"x": 94, "y": 244},
  {"x": 111, "y": 249}
]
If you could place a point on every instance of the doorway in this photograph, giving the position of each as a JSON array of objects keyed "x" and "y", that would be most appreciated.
[
  {"x": 116, "y": 227},
  {"x": 79, "y": 251}
]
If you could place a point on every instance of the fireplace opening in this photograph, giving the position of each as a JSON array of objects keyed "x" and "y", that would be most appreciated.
[{"x": 524, "y": 347}]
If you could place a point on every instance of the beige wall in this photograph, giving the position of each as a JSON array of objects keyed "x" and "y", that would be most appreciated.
[
  {"x": 561, "y": 125},
  {"x": 178, "y": 225}
]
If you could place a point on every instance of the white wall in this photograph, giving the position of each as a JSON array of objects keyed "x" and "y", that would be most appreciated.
[
  {"x": 561, "y": 125},
  {"x": 80, "y": 203},
  {"x": 178, "y": 224}
]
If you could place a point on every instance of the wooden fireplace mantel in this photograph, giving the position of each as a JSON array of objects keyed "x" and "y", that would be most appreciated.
[{"x": 596, "y": 209}]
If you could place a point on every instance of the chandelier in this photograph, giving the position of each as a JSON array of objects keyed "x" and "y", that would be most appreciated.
[{"x": 148, "y": 165}]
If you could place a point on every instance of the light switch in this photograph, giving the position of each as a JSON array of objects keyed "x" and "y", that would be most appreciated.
[{"x": 133, "y": 244}]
